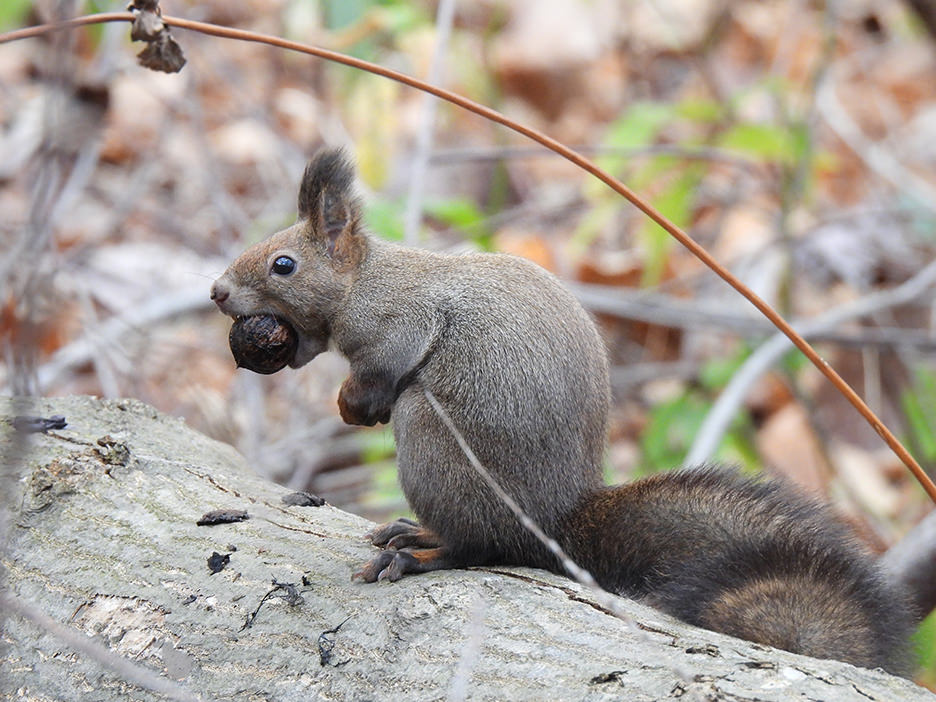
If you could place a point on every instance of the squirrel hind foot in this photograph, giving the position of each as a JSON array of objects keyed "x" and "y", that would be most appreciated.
[
  {"x": 403, "y": 533},
  {"x": 393, "y": 565}
]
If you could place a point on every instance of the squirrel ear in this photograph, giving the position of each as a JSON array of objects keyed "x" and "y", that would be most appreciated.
[
  {"x": 334, "y": 217},
  {"x": 329, "y": 171},
  {"x": 328, "y": 201}
]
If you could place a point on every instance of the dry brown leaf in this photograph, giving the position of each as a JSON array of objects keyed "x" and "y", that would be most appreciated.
[
  {"x": 787, "y": 444},
  {"x": 864, "y": 472},
  {"x": 528, "y": 245}
]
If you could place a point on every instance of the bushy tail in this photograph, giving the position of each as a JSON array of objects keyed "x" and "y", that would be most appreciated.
[
  {"x": 801, "y": 597},
  {"x": 750, "y": 558}
]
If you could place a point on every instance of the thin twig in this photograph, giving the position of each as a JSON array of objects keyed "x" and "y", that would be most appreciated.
[
  {"x": 417, "y": 185},
  {"x": 43, "y": 29},
  {"x": 877, "y": 158},
  {"x": 723, "y": 411},
  {"x": 492, "y": 115},
  {"x": 671, "y": 311},
  {"x": 692, "y": 153}
]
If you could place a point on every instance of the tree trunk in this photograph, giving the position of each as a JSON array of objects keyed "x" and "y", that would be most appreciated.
[{"x": 101, "y": 535}]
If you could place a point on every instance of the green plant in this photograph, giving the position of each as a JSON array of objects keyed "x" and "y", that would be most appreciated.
[
  {"x": 674, "y": 424},
  {"x": 924, "y": 644},
  {"x": 919, "y": 407},
  {"x": 13, "y": 13}
]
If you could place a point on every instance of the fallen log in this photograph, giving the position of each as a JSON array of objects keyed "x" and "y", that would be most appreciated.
[{"x": 100, "y": 533}]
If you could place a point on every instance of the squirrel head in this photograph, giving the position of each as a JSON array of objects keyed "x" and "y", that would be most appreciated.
[{"x": 302, "y": 273}]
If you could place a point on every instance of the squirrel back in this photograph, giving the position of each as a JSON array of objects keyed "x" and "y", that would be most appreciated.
[{"x": 522, "y": 371}]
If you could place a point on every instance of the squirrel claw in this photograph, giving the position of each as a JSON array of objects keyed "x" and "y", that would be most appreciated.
[
  {"x": 388, "y": 565},
  {"x": 401, "y": 563},
  {"x": 389, "y": 573},
  {"x": 371, "y": 571}
]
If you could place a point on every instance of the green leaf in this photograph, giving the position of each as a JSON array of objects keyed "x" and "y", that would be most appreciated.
[
  {"x": 464, "y": 215},
  {"x": 766, "y": 142},
  {"x": 737, "y": 449},
  {"x": 919, "y": 406},
  {"x": 795, "y": 361},
  {"x": 13, "y": 13},
  {"x": 675, "y": 202},
  {"x": 701, "y": 111},
  {"x": 670, "y": 431},
  {"x": 460, "y": 213},
  {"x": 716, "y": 373},
  {"x": 637, "y": 127},
  {"x": 385, "y": 219},
  {"x": 924, "y": 643},
  {"x": 399, "y": 17},
  {"x": 655, "y": 243},
  {"x": 674, "y": 424}
]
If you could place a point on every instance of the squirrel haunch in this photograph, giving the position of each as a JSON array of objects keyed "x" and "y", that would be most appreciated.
[{"x": 522, "y": 371}]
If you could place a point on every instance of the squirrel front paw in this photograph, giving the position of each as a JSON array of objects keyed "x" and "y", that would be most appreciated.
[{"x": 364, "y": 404}]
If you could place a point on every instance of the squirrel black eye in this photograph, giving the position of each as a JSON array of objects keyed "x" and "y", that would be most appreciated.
[{"x": 283, "y": 265}]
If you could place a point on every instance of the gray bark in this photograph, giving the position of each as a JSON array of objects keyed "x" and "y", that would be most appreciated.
[{"x": 101, "y": 536}]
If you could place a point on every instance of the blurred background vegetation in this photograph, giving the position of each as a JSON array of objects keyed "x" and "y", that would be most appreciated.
[{"x": 795, "y": 140}]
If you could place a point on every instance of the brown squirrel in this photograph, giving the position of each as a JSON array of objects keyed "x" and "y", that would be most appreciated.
[{"x": 522, "y": 371}]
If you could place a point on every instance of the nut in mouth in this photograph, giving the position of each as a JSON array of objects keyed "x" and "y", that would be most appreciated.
[{"x": 262, "y": 343}]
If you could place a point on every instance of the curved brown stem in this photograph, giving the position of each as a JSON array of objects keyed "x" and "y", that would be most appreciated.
[{"x": 559, "y": 148}]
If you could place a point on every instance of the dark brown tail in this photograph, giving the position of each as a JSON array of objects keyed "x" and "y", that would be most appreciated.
[
  {"x": 754, "y": 559},
  {"x": 811, "y": 598}
]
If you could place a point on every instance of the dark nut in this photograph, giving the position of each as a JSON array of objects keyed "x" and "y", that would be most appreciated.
[{"x": 263, "y": 344}]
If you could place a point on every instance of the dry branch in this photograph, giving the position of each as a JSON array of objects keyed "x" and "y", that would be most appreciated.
[
  {"x": 725, "y": 408},
  {"x": 413, "y": 216},
  {"x": 911, "y": 563}
]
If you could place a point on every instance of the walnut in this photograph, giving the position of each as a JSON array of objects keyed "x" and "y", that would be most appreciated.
[{"x": 263, "y": 343}]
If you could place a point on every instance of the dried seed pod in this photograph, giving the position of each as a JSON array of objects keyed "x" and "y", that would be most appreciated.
[{"x": 263, "y": 343}]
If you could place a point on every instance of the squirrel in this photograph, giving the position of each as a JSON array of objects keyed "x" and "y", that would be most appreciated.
[{"x": 522, "y": 371}]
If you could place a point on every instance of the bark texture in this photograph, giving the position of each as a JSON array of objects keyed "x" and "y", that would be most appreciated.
[{"x": 100, "y": 533}]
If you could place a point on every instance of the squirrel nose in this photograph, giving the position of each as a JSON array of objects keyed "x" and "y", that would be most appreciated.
[{"x": 219, "y": 293}]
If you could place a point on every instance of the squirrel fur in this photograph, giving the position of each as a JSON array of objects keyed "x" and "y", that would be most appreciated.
[{"x": 522, "y": 371}]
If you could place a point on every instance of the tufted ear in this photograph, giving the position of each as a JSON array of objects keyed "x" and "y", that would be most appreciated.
[{"x": 328, "y": 202}]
